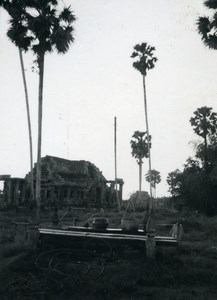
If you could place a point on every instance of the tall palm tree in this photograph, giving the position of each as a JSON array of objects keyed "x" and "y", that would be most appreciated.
[
  {"x": 9, "y": 8},
  {"x": 145, "y": 61},
  {"x": 38, "y": 26},
  {"x": 29, "y": 125},
  {"x": 154, "y": 178},
  {"x": 207, "y": 26},
  {"x": 139, "y": 146},
  {"x": 204, "y": 123}
]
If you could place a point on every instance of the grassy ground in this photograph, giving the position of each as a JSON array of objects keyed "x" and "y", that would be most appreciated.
[{"x": 102, "y": 270}]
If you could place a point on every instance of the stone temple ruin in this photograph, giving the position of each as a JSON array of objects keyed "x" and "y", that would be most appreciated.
[{"x": 66, "y": 183}]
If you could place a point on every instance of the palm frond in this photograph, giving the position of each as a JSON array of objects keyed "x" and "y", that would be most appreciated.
[
  {"x": 67, "y": 15},
  {"x": 62, "y": 39},
  {"x": 36, "y": 25},
  {"x": 134, "y": 54},
  {"x": 211, "y": 4},
  {"x": 17, "y": 33},
  {"x": 203, "y": 24},
  {"x": 146, "y": 60}
]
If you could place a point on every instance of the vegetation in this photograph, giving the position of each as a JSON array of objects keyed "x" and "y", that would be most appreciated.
[
  {"x": 154, "y": 178},
  {"x": 145, "y": 61},
  {"x": 204, "y": 124},
  {"x": 104, "y": 270},
  {"x": 9, "y": 7},
  {"x": 38, "y": 26},
  {"x": 207, "y": 26},
  {"x": 139, "y": 146},
  {"x": 99, "y": 269},
  {"x": 196, "y": 186}
]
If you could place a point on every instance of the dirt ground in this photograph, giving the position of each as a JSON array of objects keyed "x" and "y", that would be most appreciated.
[{"x": 105, "y": 270}]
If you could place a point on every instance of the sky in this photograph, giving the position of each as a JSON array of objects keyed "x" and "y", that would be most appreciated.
[{"x": 94, "y": 81}]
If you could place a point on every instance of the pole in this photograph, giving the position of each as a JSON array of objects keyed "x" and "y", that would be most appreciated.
[
  {"x": 115, "y": 154},
  {"x": 149, "y": 148},
  {"x": 29, "y": 124}
]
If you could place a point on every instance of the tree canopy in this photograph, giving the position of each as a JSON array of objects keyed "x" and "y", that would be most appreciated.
[
  {"x": 139, "y": 145},
  {"x": 153, "y": 177},
  {"x": 145, "y": 58},
  {"x": 196, "y": 185},
  {"x": 207, "y": 26},
  {"x": 204, "y": 121},
  {"x": 37, "y": 25}
]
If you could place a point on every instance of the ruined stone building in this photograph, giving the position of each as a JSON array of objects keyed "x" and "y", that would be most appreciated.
[
  {"x": 66, "y": 182},
  {"x": 15, "y": 191}
]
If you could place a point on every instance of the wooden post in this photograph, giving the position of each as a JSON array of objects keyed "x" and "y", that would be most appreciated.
[
  {"x": 179, "y": 232},
  {"x": 150, "y": 242},
  {"x": 33, "y": 236},
  {"x": 150, "y": 247}
]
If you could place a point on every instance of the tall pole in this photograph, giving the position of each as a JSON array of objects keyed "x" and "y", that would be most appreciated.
[
  {"x": 150, "y": 226},
  {"x": 115, "y": 154},
  {"x": 29, "y": 124},
  {"x": 115, "y": 150},
  {"x": 149, "y": 148}
]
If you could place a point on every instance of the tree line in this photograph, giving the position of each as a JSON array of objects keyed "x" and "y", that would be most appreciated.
[{"x": 195, "y": 186}]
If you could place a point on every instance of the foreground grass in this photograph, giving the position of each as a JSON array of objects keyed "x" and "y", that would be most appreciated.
[{"x": 109, "y": 271}]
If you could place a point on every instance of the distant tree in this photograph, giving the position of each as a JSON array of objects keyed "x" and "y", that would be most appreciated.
[
  {"x": 192, "y": 166},
  {"x": 155, "y": 178},
  {"x": 139, "y": 146},
  {"x": 38, "y": 26},
  {"x": 145, "y": 61},
  {"x": 178, "y": 188},
  {"x": 204, "y": 124},
  {"x": 207, "y": 26},
  {"x": 211, "y": 152},
  {"x": 174, "y": 182},
  {"x": 194, "y": 189}
]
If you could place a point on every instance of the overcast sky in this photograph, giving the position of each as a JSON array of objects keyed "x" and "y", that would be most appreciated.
[{"x": 95, "y": 81}]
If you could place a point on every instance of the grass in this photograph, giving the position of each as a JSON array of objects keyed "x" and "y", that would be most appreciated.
[{"x": 99, "y": 270}]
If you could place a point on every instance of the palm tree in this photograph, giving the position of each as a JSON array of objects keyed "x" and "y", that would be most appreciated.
[
  {"x": 146, "y": 61},
  {"x": 29, "y": 125},
  {"x": 9, "y": 8},
  {"x": 154, "y": 178},
  {"x": 207, "y": 26},
  {"x": 139, "y": 146},
  {"x": 38, "y": 26},
  {"x": 204, "y": 124}
]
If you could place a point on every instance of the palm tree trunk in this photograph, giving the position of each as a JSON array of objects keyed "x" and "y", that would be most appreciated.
[
  {"x": 140, "y": 179},
  {"x": 40, "y": 106},
  {"x": 149, "y": 150},
  {"x": 29, "y": 125}
]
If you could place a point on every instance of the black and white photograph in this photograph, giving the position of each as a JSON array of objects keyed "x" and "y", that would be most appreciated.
[{"x": 108, "y": 156}]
